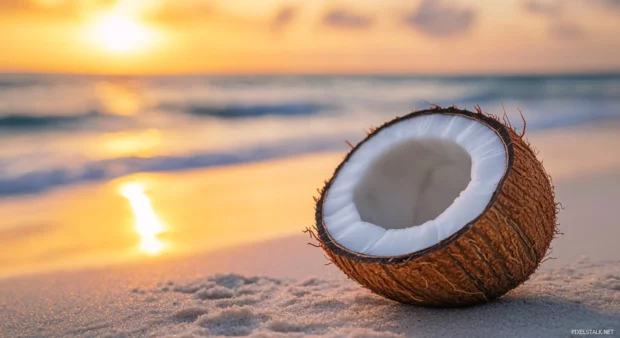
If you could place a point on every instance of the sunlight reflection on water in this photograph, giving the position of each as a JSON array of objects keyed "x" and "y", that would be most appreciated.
[{"x": 147, "y": 223}]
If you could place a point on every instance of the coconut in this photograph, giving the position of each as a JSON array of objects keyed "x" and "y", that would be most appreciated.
[{"x": 441, "y": 207}]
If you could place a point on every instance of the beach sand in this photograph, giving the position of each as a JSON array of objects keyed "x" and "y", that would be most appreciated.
[{"x": 274, "y": 285}]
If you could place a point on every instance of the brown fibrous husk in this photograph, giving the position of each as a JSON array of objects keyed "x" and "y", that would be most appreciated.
[{"x": 491, "y": 255}]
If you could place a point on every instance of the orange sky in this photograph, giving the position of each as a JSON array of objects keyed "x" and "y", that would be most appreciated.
[{"x": 296, "y": 36}]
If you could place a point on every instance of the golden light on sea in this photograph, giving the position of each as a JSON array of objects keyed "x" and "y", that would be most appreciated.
[
  {"x": 147, "y": 223},
  {"x": 136, "y": 143}
]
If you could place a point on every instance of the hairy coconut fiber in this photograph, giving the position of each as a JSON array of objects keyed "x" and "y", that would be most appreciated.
[{"x": 491, "y": 255}]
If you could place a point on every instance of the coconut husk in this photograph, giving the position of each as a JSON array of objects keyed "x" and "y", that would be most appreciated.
[{"x": 491, "y": 255}]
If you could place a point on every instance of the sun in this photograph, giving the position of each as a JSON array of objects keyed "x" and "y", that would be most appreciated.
[{"x": 120, "y": 33}]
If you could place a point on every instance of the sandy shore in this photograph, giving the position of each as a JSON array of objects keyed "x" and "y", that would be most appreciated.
[
  {"x": 281, "y": 287},
  {"x": 583, "y": 295}
]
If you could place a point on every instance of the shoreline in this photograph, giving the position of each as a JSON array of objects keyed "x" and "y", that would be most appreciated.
[
  {"x": 201, "y": 293},
  {"x": 207, "y": 219},
  {"x": 291, "y": 181},
  {"x": 114, "y": 168}
]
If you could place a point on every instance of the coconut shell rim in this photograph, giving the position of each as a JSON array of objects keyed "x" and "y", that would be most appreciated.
[{"x": 490, "y": 121}]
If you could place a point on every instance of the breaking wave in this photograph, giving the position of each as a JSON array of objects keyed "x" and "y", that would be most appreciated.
[{"x": 42, "y": 180}]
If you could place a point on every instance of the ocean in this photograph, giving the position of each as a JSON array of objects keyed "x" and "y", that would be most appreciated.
[{"x": 60, "y": 130}]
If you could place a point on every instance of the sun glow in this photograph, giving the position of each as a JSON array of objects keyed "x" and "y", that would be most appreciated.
[
  {"x": 119, "y": 33},
  {"x": 147, "y": 223},
  {"x": 140, "y": 143}
]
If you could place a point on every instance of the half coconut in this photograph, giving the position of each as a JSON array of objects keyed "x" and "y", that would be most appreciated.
[{"x": 442, "y": 207}]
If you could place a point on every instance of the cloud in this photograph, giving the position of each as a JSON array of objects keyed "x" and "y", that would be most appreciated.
[
  {"x": 340, "y": 18},
  {"x": 549, "y": 9},
  {"x": 566, "y": 30},
  {"x": 52, "y": 9},
  {"x": 604, "y": 4},
  {"x": 283, "y": 18},
  {"x": 8, "y": 6},
  {"x": 163, "y": 11},
  {"x": 556, "y": 8},
  {"x": 181, "y": 13},
  {"x": 439, "y": 19},
  {"x": 553, "y": 12}
]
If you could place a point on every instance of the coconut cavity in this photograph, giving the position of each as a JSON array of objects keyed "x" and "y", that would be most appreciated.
[{"x": 412, "y": 184}]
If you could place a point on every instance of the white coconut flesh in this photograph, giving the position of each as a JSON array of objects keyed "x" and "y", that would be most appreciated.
[{"x": 414, "y": 184}]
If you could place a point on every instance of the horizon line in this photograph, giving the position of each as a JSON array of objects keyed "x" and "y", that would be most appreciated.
[{"x": 610, "y": 73}]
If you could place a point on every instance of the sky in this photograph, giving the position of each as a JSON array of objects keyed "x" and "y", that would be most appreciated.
[{"x": 450, "y": 37}]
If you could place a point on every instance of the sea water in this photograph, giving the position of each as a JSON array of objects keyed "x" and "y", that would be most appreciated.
[{"x": 59, "y": 130}]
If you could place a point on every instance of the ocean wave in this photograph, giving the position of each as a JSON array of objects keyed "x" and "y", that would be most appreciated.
[
  {"x": 542, "y": 90},
  {"x": 7, "y": 84},
  {"x": 177, "y": 105},
  {"x": 51, "y": 177},
  {"x": 42, "y": 180},
  {"x": 19, "y": 121},
  {"x": 249, "y": 110}
]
